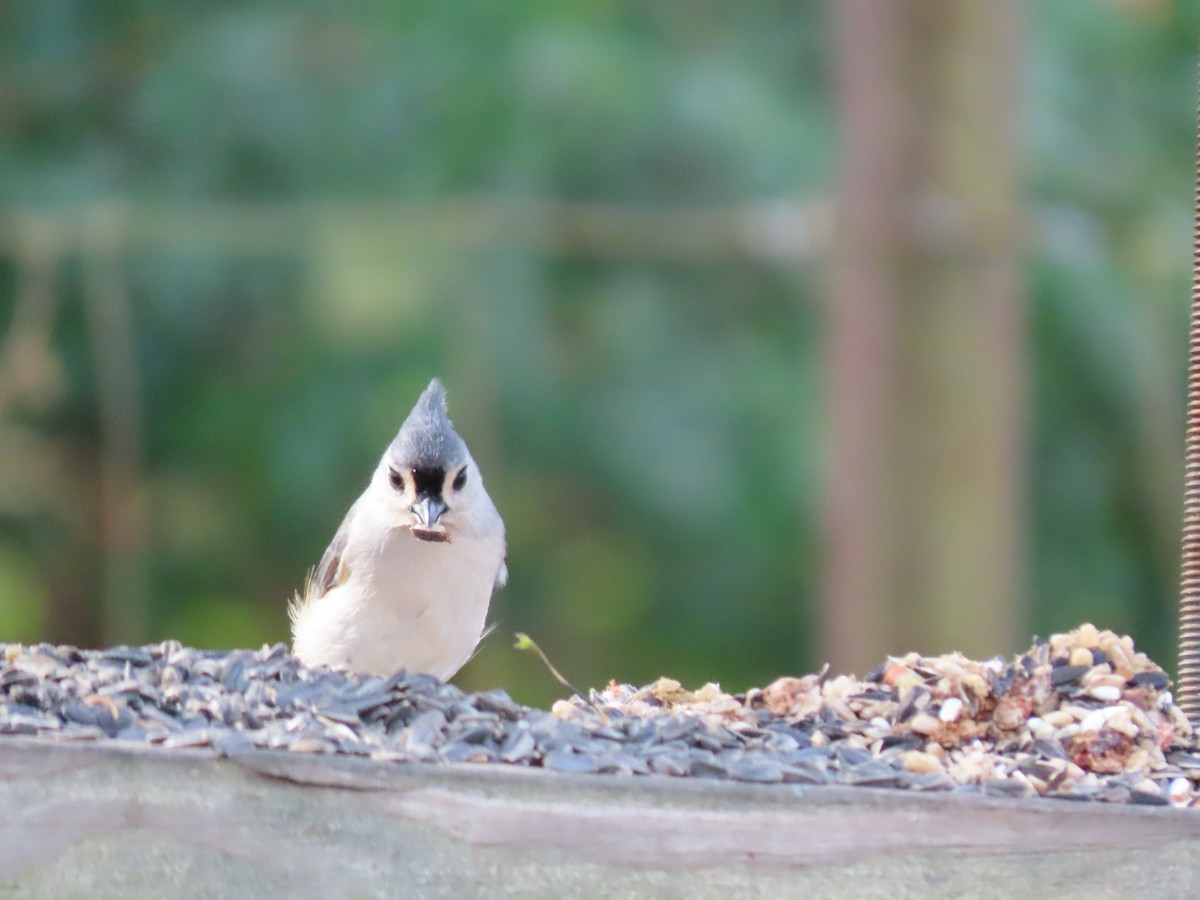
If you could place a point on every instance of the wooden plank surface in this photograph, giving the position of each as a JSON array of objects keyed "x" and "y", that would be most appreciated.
[{"x": 101, "y": 821}]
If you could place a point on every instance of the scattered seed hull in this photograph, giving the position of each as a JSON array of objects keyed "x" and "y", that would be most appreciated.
[{"x": 1080, "y": 716}]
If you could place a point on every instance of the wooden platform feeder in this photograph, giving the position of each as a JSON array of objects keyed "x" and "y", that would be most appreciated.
[{"x": 100, "y": 820}]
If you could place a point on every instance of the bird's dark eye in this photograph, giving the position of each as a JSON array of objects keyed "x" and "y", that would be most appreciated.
[
  {"x": 460, "y": 479},
  {"x": 396, "y": 479}
]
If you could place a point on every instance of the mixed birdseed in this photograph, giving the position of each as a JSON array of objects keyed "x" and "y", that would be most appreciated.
[{"x": 1081, "y": 716}]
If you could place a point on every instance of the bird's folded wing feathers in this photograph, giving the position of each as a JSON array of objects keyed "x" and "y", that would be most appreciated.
[
  {"x": 329, "y": 573},
  {"x": 332, "y": 570}
]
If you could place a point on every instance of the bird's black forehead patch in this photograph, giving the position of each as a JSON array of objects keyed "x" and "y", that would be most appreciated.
[{"x": 429, "y": 480}]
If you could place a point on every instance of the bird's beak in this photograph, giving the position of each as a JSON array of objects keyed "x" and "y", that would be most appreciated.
[{"x": 429, "y": 510}]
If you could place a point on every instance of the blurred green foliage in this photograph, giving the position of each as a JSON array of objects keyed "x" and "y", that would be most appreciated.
[{"x": 649, "y": 423}]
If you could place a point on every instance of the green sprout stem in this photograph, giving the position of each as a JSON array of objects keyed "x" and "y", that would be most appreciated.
[{"x": 528, "y": 644}]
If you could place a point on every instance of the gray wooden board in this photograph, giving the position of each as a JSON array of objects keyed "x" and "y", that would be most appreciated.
[{"x": 107, "y": 820}]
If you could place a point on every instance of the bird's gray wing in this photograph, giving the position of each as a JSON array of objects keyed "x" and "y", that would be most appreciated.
[{"x": 332, "y": 570}]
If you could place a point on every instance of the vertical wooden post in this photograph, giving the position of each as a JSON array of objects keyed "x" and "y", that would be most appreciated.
[
  {"x": 925, "y": 382},
  {"x": 124, "y": 517}
]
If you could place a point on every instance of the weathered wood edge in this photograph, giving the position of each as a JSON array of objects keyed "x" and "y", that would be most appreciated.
[
  {"x": 90, "y": 792},
  {"x": 1091, "y": 824}
]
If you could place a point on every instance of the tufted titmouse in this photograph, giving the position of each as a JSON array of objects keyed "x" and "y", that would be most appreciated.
[{"x": 407, "y": 580}]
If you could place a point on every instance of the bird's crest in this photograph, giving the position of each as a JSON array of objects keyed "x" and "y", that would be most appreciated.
[{"x": 427, "y": 439}]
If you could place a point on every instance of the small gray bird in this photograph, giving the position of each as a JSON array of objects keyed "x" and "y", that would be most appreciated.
[{"x": 407, "y": 580}]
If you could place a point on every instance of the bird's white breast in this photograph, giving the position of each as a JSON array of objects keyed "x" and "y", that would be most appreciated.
[{"x": 406, "y": 603}]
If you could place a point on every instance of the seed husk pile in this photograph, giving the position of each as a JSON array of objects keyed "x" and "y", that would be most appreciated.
[{"x": 1080, "y": 716}]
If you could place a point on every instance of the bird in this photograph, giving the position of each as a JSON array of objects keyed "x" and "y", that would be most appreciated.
[{"x": 408, "y": 578}]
